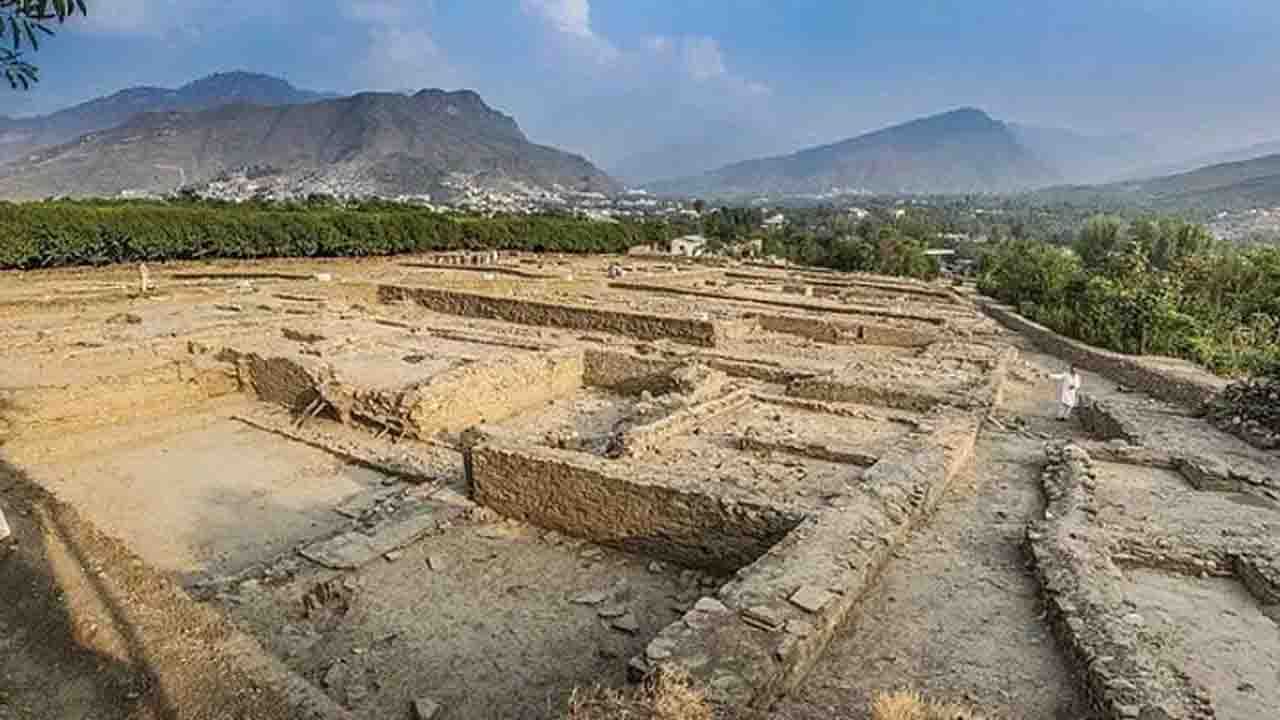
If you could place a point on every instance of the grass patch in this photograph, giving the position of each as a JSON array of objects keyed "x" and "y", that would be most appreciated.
[
  {"x": 910, "y": 705},
  {"x": 667, "y": 696}
]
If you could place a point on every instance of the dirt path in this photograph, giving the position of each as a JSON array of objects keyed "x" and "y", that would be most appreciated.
[{"x": 957, "y": 615}]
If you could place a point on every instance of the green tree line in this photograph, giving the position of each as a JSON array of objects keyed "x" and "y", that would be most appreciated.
[
  {"x": 51, "y": 234},
  {"x": 1151, "y": 287}
]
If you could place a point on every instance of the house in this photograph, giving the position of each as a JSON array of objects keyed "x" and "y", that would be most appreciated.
[
  {"x": 775, "y": 222},
  {"x": 689, "y": 245}
]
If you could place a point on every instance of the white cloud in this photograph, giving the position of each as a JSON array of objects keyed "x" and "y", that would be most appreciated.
[
  {"x": 401, "y": 50},
  {"x": 572, "y": 17},
  {"x": 570, "y": 22},
  {"x": 700, "y": 58},
  {"x": 695, "y": 57},
  {"x": 164, "y": 17}
]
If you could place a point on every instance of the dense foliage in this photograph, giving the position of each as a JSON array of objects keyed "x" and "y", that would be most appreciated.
[
  {"x": 1153, "y": 287},
  {"x": 881, "y": 242},
  {"x": 52, "y": 234}
]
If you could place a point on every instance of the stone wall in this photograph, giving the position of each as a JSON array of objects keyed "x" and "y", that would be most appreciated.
[
  {"x": 795, "y": 305},
  {"x": 835, "y": 332},
  {"x": 627, "y": 373},
  {"x": 1170, "y": 380},
  {"x": 767, "y": 627},
  {"x": 529, "y": 312},
  {"x": 495, "y": 390},
  {"x": 591, "y": 498}
]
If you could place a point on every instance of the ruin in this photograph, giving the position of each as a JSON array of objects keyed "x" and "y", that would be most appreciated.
[{"x": 402, "y": 485}]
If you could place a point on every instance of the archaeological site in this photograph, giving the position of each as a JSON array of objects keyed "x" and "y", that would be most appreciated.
[{"x": 471, "y": 486}]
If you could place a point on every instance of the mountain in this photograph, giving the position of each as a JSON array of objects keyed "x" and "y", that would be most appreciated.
[
  {"x": 371, "y": 143},
  {"x": 1080, "y": 158},
  {"x": 1224, "y": 186},
  {"x": 962, "y": 151},
  {"x": 21, "y": 136},
  {"x": 1244, "y": 185},
  {"x": 1200, "y": 161}
]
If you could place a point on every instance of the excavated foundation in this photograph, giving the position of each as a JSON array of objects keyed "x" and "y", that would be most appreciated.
[{"x": 481, "y": 490}]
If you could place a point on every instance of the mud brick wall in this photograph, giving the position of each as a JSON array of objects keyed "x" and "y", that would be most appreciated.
[
  {"x": 112, "y": 399},
  {"x": 898, "y": 398},
  {"x": 293, "y": 383},
  {"x": 836, "y": 332},
  {"x": 491, "y": 391},
  {"x": 582, "y": 496},
  {"x": 527, "y": 312},
  {"x": 627, "y": 373},
  {"x": 1186, "y": 386}
]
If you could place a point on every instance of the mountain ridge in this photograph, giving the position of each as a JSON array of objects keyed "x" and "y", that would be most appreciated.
[
  {"x": 959, "y": 151},
  {"x": 21, "y": 136},
  {"x": 369, "y": 143}
]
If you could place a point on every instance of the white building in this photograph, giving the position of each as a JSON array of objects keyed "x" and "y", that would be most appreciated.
[
  {"x": 775, "y": 222},
  {"x": 689, "y": 245}
]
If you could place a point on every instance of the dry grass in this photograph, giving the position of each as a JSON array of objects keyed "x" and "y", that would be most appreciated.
[
  {"x": 908, "y": 705},
  {"x": 669, "y": 696}
]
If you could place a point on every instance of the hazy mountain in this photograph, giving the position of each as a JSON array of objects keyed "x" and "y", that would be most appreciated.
[
  {"x": 1080, "y": 158},
  {"x": 21, "y": 136},
  {"x": 1230, "y": 156},
  {"x": 1225, "y": 186},
  {"x": 382, "y": 143},
  {"x": 1234, "y": 185},
  {"x": 962, "y": 151},
  {"x": 707, "y": 146}
]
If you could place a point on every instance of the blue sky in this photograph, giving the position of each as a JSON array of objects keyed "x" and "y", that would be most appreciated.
[{"x": 721, "y": 79}]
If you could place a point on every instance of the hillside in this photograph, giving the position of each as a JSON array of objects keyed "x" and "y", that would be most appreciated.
[
  {"x": 963, "y": 151},
  {"x": 1230, "y": 186},
  {"x": 1219, "y": 158},
  {"x": 22, "y": 136},
  {"x": 372, "y": 143}
]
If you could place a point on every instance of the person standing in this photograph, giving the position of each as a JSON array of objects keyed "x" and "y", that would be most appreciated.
[
  {"x": 5, "y": 532},
  {"x": 1068, "y": 392}
]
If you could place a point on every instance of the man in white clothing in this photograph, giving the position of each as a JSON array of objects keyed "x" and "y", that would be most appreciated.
[
  {"x": 1068, "y": 389},
  {"x": 4, "y": 528}
]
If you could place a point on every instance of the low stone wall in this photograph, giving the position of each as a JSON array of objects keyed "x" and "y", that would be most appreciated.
[
  {"x": 1122, "y": 676},
  {"x": 595, "y": 499},
  {"x": 645, "y": 438},
  {"x": 449, "y": 402},
  {"x": 767, "y": 627},
  {"x": 1203, "y": 455},
  {"x": 491, "y": 391},
  {"x": 627, "y": 373},
  {"x": 1101, "y": 422},
  {"x": 795, "y": 305},
  {"x": 830, "y": 281},
  {"x": 830, "y": 331},
  {"x": 1187, "y": 386},
  {"x": 829, "y": 389},
  {"x": 529, "y": 312}
]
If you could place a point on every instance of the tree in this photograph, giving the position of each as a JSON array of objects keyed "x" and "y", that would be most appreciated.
[
  {"x": 22, "y": 23},
  {"x": 1100, "y": 237}
]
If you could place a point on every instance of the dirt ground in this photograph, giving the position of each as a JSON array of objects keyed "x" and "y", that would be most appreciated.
[{"x": 221, "y": 508}]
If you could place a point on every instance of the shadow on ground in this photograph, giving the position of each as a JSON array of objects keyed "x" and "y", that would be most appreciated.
[{"x": 88, "y": 630}]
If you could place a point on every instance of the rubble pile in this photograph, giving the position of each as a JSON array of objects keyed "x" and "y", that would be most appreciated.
[{"x": 1251, "y": 409}]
